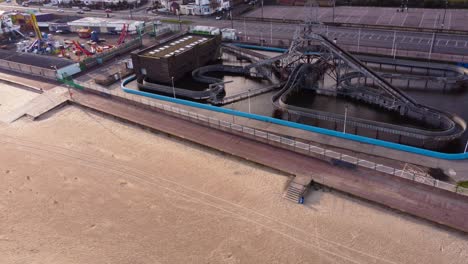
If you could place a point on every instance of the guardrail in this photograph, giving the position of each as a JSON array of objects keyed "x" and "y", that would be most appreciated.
[
  {"x": 146, "y": 99},
  {"x": 256, "y": 42},
  {"x": 362, "y": 139},
  {"x": 355, "y": 25}
]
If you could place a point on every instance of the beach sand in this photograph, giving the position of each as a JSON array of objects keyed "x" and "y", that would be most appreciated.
[{"x": 79, "y": 187}]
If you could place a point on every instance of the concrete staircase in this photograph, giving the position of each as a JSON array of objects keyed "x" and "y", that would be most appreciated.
[{"x": 294, "y": 192}]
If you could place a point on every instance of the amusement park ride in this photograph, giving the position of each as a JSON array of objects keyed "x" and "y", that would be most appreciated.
[{"x": 45, "y": 43}]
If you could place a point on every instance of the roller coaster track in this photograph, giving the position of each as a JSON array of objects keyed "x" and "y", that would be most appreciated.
[{"x": 445, "y": 126}]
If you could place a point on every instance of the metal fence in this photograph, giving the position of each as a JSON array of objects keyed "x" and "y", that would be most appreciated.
[
  {"x": 266, "y": 40},
  {"x": 274, "y": 139}
]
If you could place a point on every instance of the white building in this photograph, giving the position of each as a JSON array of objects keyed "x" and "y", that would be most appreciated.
[
  {"x": 105, "y": 25},
  {"x": 204, "y": 7},
  {"x": 93, "y": 2}
]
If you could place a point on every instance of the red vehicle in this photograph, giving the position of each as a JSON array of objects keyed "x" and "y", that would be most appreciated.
[{"x": 108, "y": 10}]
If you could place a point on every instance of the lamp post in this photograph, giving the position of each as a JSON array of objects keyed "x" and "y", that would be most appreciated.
[
  {"x": 232, "y": 21},
  {"x": 245, "y": 32},
  {"x": 173, "y": 87},
  {"x": 248, "y": 99},
  {"x": 445, "y": 12},
  {"x": 262, "y": 10},
  {"x": 359, "y": 40},
  {"x": 334, "y": 5},
  {"x": 345, "y": 118}
]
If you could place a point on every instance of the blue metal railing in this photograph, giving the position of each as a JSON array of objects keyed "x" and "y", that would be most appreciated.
[{"x": 357, "y": 138}]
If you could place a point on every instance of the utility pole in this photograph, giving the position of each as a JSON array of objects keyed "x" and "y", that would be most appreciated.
[
  {"x": 232, "y": 21},
  {"x": 359, "y": 40},
  {"x": 345, "y": 117},
  {"x": 394, "y": 39},
  {"x": 245, "y": 31},
  {"x": 262, "y": 10},
  {"x": 173, "y": 87},
  {"x": 334, "y": 5},
  {"x": 432, "y": 46},
  {"x": 271, "y": 33},
  {"x": 445, "y": 12},
  {"x": 248, "y": 99}
]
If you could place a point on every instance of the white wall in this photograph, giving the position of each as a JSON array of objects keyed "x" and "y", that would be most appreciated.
[{"x": 69, "y": 70}]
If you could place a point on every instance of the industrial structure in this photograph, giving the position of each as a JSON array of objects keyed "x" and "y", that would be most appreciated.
[
  {"x": 171, "y": 60},
  {"x": 314, "y": 62}
]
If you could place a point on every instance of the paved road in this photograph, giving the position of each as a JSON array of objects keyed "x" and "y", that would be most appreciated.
[
  {"x": 401, "y": 40},
  {"x": 449, "y": 44},
  {"x": 417, "y": 17}
]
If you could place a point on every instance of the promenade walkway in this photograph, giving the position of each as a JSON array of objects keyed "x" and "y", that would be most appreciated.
[{"x": 418, "y": 199}]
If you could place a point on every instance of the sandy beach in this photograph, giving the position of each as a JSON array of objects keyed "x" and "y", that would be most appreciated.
[{"x": 79, "y": 187}]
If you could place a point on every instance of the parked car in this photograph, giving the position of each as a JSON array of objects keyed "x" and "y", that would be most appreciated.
[
  {"x": 25, "y": 4},
  {"x": 60, "y": 10},
  {"x": 62, "y": 31},
  {"x": 80, "y": 12},
  {"x": 86, "y": 9},
  {"x": 8, "y": 1},
  {"x": 219, "y": 17},
  {"x": 108, "y": 10}
]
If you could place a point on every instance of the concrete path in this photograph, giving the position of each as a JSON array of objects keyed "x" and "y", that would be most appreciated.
[{"x": 38, "y": 106}]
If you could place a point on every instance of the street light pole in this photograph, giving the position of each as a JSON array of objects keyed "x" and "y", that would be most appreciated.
[
  {"x": 248, "y": 99},
  {"x": 262, "y": 10},
  {"x": 232, "y": 21},
  {"x": 345, "y": 117},
  {"x": 393, "y": 45},
  {"x": 261, "y": 38},
  {"x": 445, "y": 12},
  {"x": 245, "y": 32},
  {"x": 173, "y": 88},
  {"x": 271, "y": 33},
  {"x": 432, "y": 46},
  {"x": 334, "y": 4},
  {"x": 359, "y": 40}
]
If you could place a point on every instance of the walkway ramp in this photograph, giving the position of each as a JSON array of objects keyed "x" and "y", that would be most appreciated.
[{"x": 38, "y": 105}]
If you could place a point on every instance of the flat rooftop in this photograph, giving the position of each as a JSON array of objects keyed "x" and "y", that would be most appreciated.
[
  {"x": 99, "y": 21},
  {"x": 41, "y": 61},
  {"x": 175, "y": 46}
]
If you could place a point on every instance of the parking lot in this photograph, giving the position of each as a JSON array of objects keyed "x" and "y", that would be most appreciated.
[{"x": 455, "y": 19}]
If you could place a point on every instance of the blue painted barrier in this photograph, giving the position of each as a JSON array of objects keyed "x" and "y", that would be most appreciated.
[
  {"x": 248, "y": 46},
  {"x": 372, "y": 141}
]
